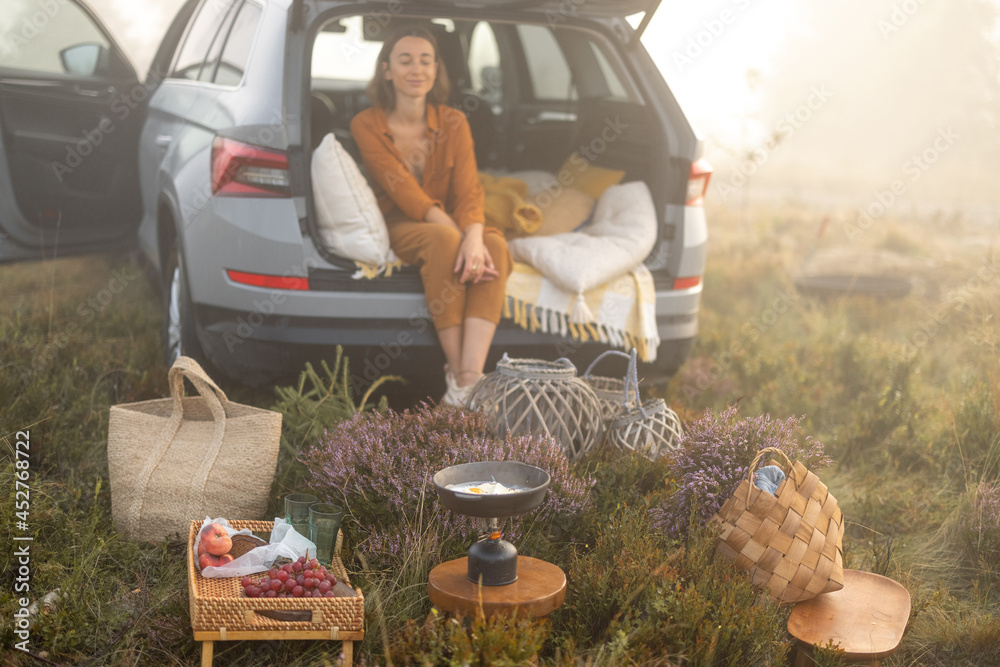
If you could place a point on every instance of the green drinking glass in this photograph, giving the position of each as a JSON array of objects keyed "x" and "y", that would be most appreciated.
[
  {"x": 297, "y": 511},
  {"x": 324, "y": 524}
]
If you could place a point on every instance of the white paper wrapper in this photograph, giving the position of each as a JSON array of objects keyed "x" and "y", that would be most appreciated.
[{"x": 284, "y": 541}]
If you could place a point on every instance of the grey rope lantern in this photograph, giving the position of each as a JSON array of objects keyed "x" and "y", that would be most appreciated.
[
  {"x": 535, "y": 397},
  {"x": 609, "y": 390},
  {"x": 649, "y": 427}
]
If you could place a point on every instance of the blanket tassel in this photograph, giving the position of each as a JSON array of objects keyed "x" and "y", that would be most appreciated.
[{"x": 581, "y": 313}]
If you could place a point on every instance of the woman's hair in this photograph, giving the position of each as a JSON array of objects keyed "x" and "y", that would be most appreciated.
[{"x": 380, "y": 90}]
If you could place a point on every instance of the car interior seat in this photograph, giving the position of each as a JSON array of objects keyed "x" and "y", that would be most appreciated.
[
  {"x": 464, "y": 98},
  {"x": 323, "y": 121},
  {"x": 321, "y": 118}
]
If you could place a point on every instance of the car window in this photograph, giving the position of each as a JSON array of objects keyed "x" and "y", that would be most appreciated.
[
  {"x": 484, "y": 63},
  {"x": 38, "y": 35},
  {"x": 550, "y": 75},
  {"x": 346, "y": 49},
  {"x": 211, "y": 64},
  {"x": 200, "y": 35},
  {"x": 612, "y": 80},
  {"x": 234, "y": 59},
  {"x": 342, "y": 52}
]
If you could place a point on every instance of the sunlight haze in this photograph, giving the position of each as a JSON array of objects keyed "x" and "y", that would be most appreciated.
[{"x": 846, "y": 94}]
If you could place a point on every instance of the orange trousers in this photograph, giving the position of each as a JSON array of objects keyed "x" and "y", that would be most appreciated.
[{"x": 434, "y": 249}]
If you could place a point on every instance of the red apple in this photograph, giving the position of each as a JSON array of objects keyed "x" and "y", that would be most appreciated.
[
  {"x": 215, "y": 540},
  {"x": 226, "y": 558},
  {"x": 207, "y": 559}
]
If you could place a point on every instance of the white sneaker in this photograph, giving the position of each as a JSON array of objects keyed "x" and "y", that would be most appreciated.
[{"x": 455, "y": 395}]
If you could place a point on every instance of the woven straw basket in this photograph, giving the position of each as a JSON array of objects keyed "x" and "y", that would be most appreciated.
[
  {"x": 790, "y": 542},
  {"x": 649, "y": 427},
  {"x": 220, "y": 603},
  {"x": 533, "y": 397},
  {"x": 176, "y": 458}
]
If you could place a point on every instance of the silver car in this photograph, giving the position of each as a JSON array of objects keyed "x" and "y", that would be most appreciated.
[{"x": 204, "y": 162}]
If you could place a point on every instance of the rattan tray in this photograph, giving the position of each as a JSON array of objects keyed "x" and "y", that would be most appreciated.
[{"x": 220, "y": 611}]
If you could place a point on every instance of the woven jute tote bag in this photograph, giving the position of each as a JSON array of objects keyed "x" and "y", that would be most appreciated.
[
  {"x": 178, "y": 458},
  {"x": 791, "y": 542}
]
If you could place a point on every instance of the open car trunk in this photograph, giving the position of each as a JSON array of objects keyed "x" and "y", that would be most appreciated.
[{"x": 536, "y": 95}]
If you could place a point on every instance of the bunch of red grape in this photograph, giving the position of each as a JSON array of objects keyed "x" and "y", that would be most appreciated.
[{"x": 301, "y": 579}]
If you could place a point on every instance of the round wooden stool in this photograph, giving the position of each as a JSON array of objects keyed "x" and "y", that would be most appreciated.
[
  {"x": 866, "y": 619},
  {"x": 539, "y": 590}
]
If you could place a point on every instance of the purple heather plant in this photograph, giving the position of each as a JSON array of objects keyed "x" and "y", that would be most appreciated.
[
  {"x": 715, "y": 454},
  {"x": 381, "y": 465}
]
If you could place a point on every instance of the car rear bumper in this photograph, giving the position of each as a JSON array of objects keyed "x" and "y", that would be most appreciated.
[{"x": 266, "y": 342}]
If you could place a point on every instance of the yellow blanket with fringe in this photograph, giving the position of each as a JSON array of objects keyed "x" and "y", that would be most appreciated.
[{"x": 624, "y": 309}]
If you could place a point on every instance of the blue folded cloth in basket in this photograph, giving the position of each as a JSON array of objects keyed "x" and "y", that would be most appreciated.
[{"x": 768, "y": 478}]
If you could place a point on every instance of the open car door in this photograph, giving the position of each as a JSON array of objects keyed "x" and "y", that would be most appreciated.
[{"x": 71, "y": 109}]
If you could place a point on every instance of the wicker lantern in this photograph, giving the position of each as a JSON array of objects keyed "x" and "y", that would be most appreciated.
[
  {"x": 648, "y": 427},
  {"x": 531, "y": 397},
  {"x": 609, "y": 390}
]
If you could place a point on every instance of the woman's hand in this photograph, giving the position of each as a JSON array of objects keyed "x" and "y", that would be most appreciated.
[{"x": 474, "y": 261}]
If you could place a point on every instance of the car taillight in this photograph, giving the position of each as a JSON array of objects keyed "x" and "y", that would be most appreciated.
[
  {"x": 242, "y": 170},
  {"x": 701, "y": 174},
  {"x": 687, "y": 283}
]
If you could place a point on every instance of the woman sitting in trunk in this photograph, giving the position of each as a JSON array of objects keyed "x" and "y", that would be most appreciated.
[{"x": 419, "y": 153}]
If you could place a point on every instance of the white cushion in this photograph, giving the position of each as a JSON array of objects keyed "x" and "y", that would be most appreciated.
[
  {"x": 620, "y": 237},
  {"x": 349, "y": 221}
]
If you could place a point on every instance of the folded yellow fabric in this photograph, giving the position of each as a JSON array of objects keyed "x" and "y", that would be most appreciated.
[
  {"x": 624, "y": 308},
  {"x": 506, "y": 208}
]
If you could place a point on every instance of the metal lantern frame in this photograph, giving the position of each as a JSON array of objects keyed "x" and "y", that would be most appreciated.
[
  {"x": 649, "y": 427},
  {"x": 609, "y": 390},
  {"x": 536, "y": 397}
]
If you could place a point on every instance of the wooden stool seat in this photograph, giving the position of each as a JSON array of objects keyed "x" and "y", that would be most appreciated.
[
  {"x": 540, "y": 589},
  {"x": 866, "y": 618}
]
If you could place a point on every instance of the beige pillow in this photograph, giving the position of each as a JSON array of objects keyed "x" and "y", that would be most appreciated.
[
  {"x": 348, "y": 218},
  {"x": 562, "y": 210}
]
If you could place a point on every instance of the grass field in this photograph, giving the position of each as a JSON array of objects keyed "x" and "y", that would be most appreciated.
[{"x": 904, "y": 394}]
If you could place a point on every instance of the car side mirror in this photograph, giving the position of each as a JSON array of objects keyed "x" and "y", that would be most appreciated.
[{"x": 84, "y": 59}]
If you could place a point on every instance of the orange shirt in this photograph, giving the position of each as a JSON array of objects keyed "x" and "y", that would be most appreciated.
[{"x": 450, "y": 179}]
